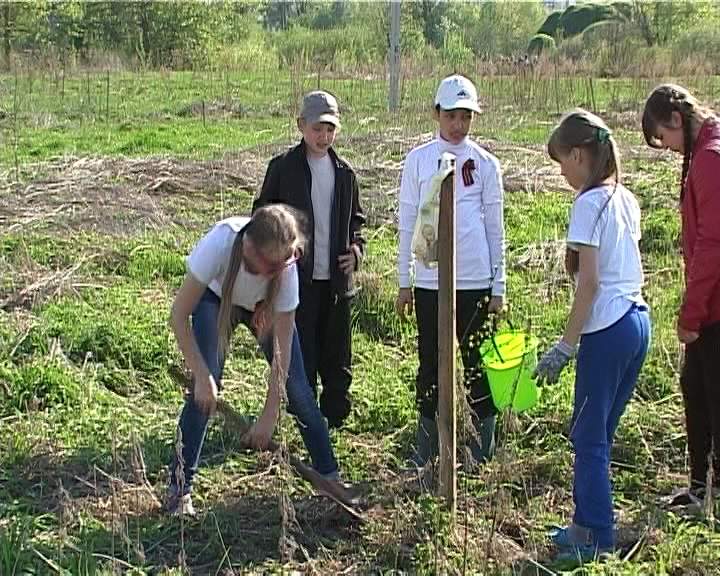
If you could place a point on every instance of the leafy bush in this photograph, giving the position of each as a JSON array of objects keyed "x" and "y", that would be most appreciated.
[
  {"x": 577, "y": 18},
  {"x": 541, "y": 43},
  {"x": 699, "y": 43},
  {"x": 328, "y": 49}
]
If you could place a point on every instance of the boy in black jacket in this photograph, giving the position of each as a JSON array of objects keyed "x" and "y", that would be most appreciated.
[{"x": 314, "y": 179}]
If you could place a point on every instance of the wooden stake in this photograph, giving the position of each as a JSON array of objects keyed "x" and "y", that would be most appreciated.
[
  {"x": 394, "y": 55},
  {"x": 107, "y": 97},
  {"x": 447, "y": 420}
]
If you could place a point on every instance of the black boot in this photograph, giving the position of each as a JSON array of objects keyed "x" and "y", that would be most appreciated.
[
  {"x": 426, "y": 442},
  {"x": 482, "y": 439}
]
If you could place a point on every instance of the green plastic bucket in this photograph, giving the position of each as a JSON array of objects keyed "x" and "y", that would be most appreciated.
[{"x": 509, "y": 359}]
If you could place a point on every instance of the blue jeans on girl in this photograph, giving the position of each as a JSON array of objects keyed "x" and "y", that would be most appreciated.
[
  {"x": 301, "y": 400},
  {"x": 608, "y": 365}
]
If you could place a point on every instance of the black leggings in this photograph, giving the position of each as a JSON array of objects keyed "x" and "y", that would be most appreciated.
[{"x": 700, "y": 383}]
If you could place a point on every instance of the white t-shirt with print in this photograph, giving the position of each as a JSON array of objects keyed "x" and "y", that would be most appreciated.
[
  {"x": 322, "y": 190},
  {"x": 209, "y": 260},
  {"x": 608, "y": 218}
]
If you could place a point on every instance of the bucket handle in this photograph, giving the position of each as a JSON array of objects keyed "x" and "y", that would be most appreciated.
[{"x": 492, "y": 337}]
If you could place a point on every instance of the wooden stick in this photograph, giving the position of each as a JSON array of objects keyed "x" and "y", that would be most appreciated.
[
  {"x": 332, "y": 490},
  {"x": 447, "y": 418}
]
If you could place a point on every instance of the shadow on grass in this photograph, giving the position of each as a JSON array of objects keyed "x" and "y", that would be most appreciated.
[{"x": 98, "y": 511}]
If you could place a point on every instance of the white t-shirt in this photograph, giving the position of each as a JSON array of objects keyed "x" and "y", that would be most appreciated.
[
  {"x": 209, "y": 260},
  {"x": 608, "y": 218},
  {"x": 322, "y": 190},
  {"x": 479, "y": 230}
]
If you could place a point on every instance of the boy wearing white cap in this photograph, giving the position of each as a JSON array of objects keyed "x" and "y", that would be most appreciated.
[
  {"x": 314, "y": 179},
  {"x": 480, "y": 263}
]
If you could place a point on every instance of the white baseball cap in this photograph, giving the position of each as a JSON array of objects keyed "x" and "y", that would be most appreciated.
[{"x": 457, "y": 92}]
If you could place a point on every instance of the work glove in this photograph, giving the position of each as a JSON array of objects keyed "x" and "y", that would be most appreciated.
[{"x": 553, "y": 362}]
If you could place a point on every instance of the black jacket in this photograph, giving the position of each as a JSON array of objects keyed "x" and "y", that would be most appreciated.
[{"x": 288, "y": 180}]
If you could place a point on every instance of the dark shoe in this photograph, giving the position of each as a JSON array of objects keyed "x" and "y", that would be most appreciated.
[
  {"x": 335, "y": 408},
  {"x": 482, "y": 439},
  {"x": 687, "y": 502},
  {"x": 426, "y": 442}
]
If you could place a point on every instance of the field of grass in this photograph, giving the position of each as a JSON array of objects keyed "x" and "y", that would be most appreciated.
[{"x": 98, "y": 206}]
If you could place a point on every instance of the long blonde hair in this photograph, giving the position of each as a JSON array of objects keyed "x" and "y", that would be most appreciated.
[
  {"x": 276, "y": 232},
  {"x": 582, "y": 129}
]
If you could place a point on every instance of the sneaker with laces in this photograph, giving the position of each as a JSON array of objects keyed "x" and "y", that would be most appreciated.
[
  {"x": 570, "y": 536},
  {"x": 576, "y": 544},
  {"x": 583, "y": 554}
]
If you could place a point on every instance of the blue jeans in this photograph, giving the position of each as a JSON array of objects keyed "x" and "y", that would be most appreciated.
[
  {"x": 301, "y": 400},
  {"x": 608, "y": 365}
]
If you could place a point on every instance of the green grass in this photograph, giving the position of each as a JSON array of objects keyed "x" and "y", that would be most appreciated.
[
  {"x": 180, "y": 137},
  {"x": 161, "y": 113},
  {"x": 88, "y": 367}
]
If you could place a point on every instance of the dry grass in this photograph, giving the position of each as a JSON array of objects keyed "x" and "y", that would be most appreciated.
[{"x": 118, "y": 195}]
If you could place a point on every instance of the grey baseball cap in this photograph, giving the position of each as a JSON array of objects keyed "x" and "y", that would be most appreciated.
[{"x": 320, "y": 106}]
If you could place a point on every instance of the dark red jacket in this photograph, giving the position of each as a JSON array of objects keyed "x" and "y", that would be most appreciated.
[{"x": 700, "y": 209}]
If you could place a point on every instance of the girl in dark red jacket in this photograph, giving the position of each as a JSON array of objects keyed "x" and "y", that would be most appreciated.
[{"x": 675, "y": 120}]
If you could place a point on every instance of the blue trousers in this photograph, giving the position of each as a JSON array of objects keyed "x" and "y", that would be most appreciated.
[
  {"x": 608, "y": 365},
  {"x": 301, "y": 400}
]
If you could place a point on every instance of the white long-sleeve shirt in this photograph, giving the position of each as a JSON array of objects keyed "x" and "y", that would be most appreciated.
[{"x": 479, "y": 230}]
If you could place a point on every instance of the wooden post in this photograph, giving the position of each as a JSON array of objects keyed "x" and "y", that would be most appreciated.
[
  {"x": 447, "y": 420},
  {"x": 107, "y": 97}
]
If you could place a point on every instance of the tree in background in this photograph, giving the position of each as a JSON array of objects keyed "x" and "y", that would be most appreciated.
[
  {"x": 654, "y": 21},
  {"x": 156, "y": 34},
  {"x": 8, "y": 22},
  {"x": 576, "y": 18},
  {"x": 213, "y": 34}
]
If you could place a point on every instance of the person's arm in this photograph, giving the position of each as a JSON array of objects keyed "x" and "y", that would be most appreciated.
[
  {"x": 261, "y": 432},
  {"x": 205, "y": 388},
  {"x": 495, "y": 233},
  {"x": 554, "y": 360},
  {"x": 703, "y": 277},
  {"x": 350, "y": 261},
  {"x": 357, "y": 221},
  {"x": 409, "y": 202},
  {"x": 587, "y": 286},
  {"x": 584, "y": 236}
]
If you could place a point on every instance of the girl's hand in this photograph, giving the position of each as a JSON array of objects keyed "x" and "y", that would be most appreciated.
[
  {"x": 260, "y": 433},
  {"x": 404, "y": 302},
  {"x": 687, "y": 336},
  {"x": 348, "y": 262},
  {"x": 553, "y": 362},
  {"x": 205, "y": 393},
  {"x": 496, "y": 304}
]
